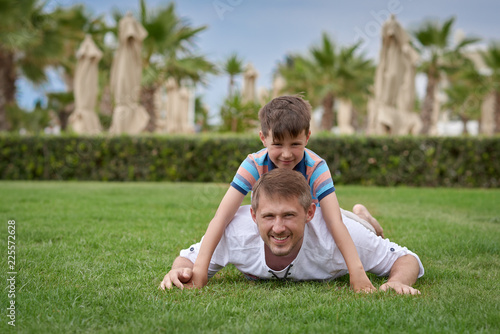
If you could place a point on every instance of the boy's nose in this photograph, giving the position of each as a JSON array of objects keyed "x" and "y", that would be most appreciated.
[{"x": 286, "y": 153}]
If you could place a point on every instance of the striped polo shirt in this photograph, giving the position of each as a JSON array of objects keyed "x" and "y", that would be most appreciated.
[{"x": 312, "y": 166}]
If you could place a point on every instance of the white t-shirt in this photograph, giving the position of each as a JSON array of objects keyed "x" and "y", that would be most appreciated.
[{"x": 318, "y": 259}]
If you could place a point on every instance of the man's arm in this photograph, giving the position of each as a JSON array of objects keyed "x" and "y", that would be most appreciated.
[
  {"x": 180, "y": 275},
  {"x": 404, "y": 274}
]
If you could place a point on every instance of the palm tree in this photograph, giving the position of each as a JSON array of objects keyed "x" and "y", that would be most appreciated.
[
  {"x": 169, "y": 52},
  {"x": 464, "y": 92},
  {"x": 238, "y": 116},
  {"x": 20, "y": 34},
  {"x": 356, "y": 80},
  {"x": 31, "y": 40},
  {"x": 299, "y": 73},
  {"x": 72, "y": 25},
  {"x": 328, "y": 74},
  {"x": 491, "y": 58},
  {"x": 434, "y": 44},
  {"x": 233, "y": 66}
]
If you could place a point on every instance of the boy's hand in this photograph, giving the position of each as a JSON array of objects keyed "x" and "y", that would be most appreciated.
[
  {"x": 200, "y": 278},
  {"x": 362, "y": 284}
]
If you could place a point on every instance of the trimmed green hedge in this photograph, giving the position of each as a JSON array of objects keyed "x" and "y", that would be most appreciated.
[{"x": 382, "y": 161}]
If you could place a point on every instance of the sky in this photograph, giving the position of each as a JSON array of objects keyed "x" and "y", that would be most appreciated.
[{"x": 263, "y": 32}]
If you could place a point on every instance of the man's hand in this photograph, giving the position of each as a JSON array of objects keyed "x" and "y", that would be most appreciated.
[
  {"x": 362, "y": 284},
  {"x": 181, "y": 277},
  {"x": 400, "y": 288},
  {"x": 403, "y": 274}
]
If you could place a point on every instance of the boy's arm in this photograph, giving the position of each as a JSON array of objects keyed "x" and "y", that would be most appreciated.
[
  {"x": 225, "y": 213},
  {"x": 333, "y": 219}
]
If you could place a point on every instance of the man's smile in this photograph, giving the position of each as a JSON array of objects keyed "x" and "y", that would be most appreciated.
[{"x": 279, "y": 239}]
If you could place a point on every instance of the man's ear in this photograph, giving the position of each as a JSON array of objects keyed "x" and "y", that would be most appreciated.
[
  {"x": 310, "y": 212},
  {"x": 254, "y": 215}
]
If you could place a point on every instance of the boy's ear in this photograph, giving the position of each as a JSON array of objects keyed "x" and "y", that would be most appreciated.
[
  {"x": 308, "y": 135},
  {"x": 262, "y": 138}
]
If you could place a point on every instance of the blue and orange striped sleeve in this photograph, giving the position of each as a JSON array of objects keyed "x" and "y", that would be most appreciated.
[
  {"x": 319, "y": 176},
  {"x": 250, "y": 171}
]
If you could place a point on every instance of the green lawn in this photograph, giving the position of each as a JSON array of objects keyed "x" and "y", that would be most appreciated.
[{"x": 90, "y": 257}]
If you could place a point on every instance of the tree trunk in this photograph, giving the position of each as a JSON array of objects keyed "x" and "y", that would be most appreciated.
[
  {"x": 231, "y": 86},
  {"x": 464, "y": 120},
  {"x": 355, "y": 119},
  {"x": 497, "y": 111},
  {"x": 7, "y": 86},
  {"x": 148, "y": 102},
  {"x": 234, "y": 125},
  {"x": 328, "y": 115},
  {"x": 64, "y": 114},
  {"x": 428, "y": 105}
]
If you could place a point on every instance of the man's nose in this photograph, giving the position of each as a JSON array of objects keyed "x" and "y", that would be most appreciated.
[{"x": 278, "y": 226}]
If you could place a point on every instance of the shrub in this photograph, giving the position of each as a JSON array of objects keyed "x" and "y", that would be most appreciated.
[{"x": 381, "y": 161}]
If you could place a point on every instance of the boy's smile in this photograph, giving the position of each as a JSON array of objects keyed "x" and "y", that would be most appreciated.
[{"x": 287, "y": 152}]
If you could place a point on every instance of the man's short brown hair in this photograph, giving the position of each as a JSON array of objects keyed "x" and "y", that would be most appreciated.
[
  {"x": 287, "y": 115},
  {"x": 282, "y": 183}
]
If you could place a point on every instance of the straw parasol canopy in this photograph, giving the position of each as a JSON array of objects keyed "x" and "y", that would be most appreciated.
[
  {"x": 172, "y": 105},
  {"x": 84, "y": 120},
  {"x": 488, "y": 115},
  {"x": 279, "y": 84},
  {"x": 126, "y": 73},
  {"x": 394, "y": 89},
  {"x": 344, "y": 113},
  {"x": 249, "y": 78}
]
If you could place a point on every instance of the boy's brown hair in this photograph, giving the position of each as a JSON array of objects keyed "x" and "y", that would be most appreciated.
[
  {"x": 285, "y": 115},
  {"x": 282, "y": 183}
]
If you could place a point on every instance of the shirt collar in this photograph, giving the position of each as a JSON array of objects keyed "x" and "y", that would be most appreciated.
[{"x": 300, "y": 167}]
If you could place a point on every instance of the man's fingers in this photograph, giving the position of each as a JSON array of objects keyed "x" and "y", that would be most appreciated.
[
  {"x": 401, "y": 289},
  {"x": 176, "y": 281},
  {"x": 172, "y": 278},
  {"x": 370, "y": 289},
  {"x": 186, "y": 274}
]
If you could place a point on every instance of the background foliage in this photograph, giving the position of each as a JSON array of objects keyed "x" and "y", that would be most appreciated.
[{"x": 411, "y": 161}]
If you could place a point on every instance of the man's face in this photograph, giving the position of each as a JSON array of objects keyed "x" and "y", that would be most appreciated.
[
  {"x": 288, "y": 152},
  {"x": 281, "y": 223}
]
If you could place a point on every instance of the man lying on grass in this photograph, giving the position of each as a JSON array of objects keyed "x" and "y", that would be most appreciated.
[{"x": 288, "y": 241}]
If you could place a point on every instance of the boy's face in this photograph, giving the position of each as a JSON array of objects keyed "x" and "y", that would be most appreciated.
[{"x": 288, "y": 152}]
